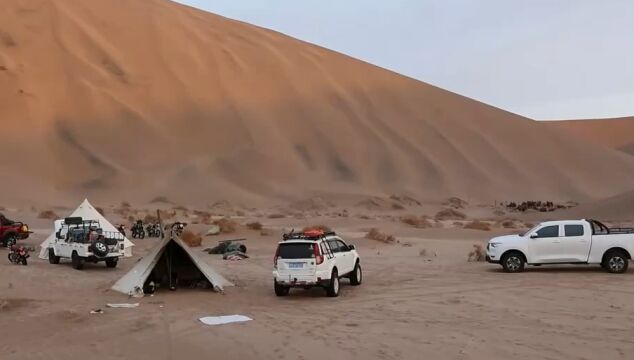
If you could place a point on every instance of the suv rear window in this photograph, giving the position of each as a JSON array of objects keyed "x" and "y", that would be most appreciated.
[{"x": 296, "y": 251}]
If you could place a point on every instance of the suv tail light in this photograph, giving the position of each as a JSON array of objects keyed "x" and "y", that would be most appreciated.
[
  {"x": 277, "y": 253},
  {"x": 318, "y": 257}
]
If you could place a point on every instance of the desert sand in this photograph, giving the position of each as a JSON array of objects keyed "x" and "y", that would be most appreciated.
[
  {"x": 149, "y": 98},
  {"x": 420, "y": 299},
  {"x": 165, "y": 106},
  {"x": 615, "y": 133}
]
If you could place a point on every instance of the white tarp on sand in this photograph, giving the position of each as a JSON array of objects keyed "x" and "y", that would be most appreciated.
[
  {"x": 87, "y": 212},
  {"x": 132, "y": 282},
  {"x": 225, "y": 319}
]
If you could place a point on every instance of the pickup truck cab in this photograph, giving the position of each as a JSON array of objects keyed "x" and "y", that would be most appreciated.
[
  {"x": 314, "y": 258},
  {"x": 564, "y": 242}
]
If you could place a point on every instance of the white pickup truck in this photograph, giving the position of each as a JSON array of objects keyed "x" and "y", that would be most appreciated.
[{"x": 564, "y": 242}]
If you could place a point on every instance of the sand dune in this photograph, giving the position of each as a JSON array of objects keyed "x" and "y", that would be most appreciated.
[
  {"x": 616, "y": 133},
  {"x": 150, "y": 98}
]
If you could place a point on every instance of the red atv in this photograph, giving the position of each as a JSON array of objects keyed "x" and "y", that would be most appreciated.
[{"x": 12, "y": 231}]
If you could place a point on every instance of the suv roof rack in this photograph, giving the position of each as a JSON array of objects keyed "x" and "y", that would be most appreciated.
[{"x": 307, "y": 235}]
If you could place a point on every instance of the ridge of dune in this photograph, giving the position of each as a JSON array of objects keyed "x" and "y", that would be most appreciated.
[
  {"x": 617, "y": 133},
  {"x": 147, "y": 98}
]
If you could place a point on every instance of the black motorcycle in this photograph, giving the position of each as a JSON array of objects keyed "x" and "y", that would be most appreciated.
[
  {"x": 138, "y": 231},
  {"x": 153, "y": 230},
  {"x": 19, "y": 254}
]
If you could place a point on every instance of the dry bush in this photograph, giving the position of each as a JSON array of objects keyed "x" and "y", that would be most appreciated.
[
  {"x": 191, "y": 239},
  {"x": 478, "y": 225},
  {"x": 126, "y": 205},
  {"x": 131, "y": 218},
  {"x": 364, "y": 217},
  {"x": 416, "y": 221},
  {"x": 498, "y": 212},
  {"x": 528, "y": 225},
  {"x": 226, "y": 225},
  {"x": 477, "y": 254},
  {"x": 149, "y": 218},
  {"x": 508, "y": 224},
  {"x": 422, "y": 252},
  {"x": 266, "y": 232},
  {"x": 397, "y": 206},
  {"x": 160, "y": 199},
  {"x": 255, "y": 225},
  {"x": 450, "y": 214},
  {"x": 240, "y": 213},
  {"x": 276, "y": 216},
  {"x": 375, "y": 234},
  {"x": 456, "y": 203},
  {"x": 48, "y": 214},
  {"x": 317, "y": 227}
]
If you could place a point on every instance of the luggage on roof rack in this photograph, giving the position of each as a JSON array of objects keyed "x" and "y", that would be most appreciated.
[{"x": 312, "y": 234}]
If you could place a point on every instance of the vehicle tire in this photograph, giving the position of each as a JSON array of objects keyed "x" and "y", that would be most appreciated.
[
  {"x": 10, "y": 240},
  {"x": 616, "y": 262},
  {"x": 280, "y": 290},
  {"x": 357, "y": 275},
  {"x": 78, "y": 261},
  {"x": 24, "y": 262},
  {"x": 99, "y": 248},
  {"x": 52, "y": 259},
  {"x": 112, "y": 262},
  {"x": 513, "y": 262},
  {"x": 333, "y": 287},
  {"x": 13, "y": 258},
  {"x": 142, "y": 235}
]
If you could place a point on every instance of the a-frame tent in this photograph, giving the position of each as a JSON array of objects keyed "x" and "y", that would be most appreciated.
[
  {"x": 87, "y": 212},
  {"x": 170, "y": 256}
]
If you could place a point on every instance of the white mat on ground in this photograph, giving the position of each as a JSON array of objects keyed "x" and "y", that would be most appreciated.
[{"x": 221, "y": 320}]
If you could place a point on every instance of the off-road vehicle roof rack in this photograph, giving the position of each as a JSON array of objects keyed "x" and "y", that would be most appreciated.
[{"x": 307, "y": 235}]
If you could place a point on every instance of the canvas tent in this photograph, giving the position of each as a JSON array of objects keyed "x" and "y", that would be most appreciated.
[
  {"x": 87, "y": 212},
  {"x": 169, "y": 257}
]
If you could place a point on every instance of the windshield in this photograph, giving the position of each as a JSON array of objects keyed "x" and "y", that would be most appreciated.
[
  {"x": 531, "y": 230},
  {"x": 296, "y": 251}
]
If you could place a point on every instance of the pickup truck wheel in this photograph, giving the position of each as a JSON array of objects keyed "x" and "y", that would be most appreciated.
[
  {"x": 112, "y": 262},
  {"x": 357, "y": 275},
  {"x": 616, "y": 262},
  {"x": 280, "y": 290},
  {"x": 52, "y": 259},
  {"x": 10, "y": 240},
  {"x": 333, "y": 287},
  {"x": 78, "y": 261},
  {"x": 513, "y": 262}
]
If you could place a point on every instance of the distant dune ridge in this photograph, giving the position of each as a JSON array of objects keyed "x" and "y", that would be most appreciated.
[
  {"x": 150, "y": 98},
  {"x": 617, "y": 133}
]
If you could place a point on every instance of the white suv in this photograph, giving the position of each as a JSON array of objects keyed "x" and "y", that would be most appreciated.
[{"x": 314, "y": 258}]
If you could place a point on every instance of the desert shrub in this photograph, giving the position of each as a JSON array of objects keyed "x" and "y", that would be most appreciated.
[
  {"x": 450, "y": 214},
  {"x": 240, "y": 213},
  {"x": 375, "y": 234},
  {"x": 226, "y": 225},
  {"x": 477, "y": 253},
  {"x": 317, "y": 227},
  {"x": 528, "y": 225},
  {"x": 191, "y": 239},
  {"x": 415, "y": 221},
  {"x": 48, "y": 214},
  {"x": 160, "y": 199},
  {"x": 478, "y": 225},
  {"x": 126, "y": 205},
  {"x": 422, "y": 252},
  {"x": 364, "y": 217},
  {"x": 508, "y": 224},
  {"x": 149, "y": 218},
  {"x": 254, "y": 225},
  {"x": 131, "y": 218},
  {"x": 397, "y": 206},
  {"x": 266, "y": 232},
  {"x": 498, "y": 212},
  {"x": 276, "y": 216},
  {"x": 456, "y": 203}
]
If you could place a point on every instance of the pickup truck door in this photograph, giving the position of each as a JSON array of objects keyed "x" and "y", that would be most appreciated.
[
  {"x": 545, "y": 245},
  {"x": 575, "y": 243}
]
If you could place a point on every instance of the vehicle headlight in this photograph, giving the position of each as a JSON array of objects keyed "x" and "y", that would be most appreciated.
[{"x": 495, "y": 244}]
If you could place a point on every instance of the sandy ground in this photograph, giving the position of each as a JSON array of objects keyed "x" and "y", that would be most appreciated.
[{"x": 436, "y": 306}]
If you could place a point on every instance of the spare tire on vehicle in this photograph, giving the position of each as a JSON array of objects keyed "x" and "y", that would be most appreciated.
[{"x": 99, "y": 248}]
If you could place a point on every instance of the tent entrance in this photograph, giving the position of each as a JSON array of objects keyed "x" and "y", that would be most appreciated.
[{"x": 175, "y": 269}]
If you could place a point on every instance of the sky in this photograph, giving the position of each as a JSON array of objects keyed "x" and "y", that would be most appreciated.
[{"x": 544, "y": 59}]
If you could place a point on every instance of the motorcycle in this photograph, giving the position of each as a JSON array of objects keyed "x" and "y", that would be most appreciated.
[
  {"x": 19, "y": 254},
  {"x": 138, "y": 231},
  {"x": 153, "y": 230}
]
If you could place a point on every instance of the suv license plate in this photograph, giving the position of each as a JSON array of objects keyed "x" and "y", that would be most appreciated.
[{"x": 295, "y": 265}]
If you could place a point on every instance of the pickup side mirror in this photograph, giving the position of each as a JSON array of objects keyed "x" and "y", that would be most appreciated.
[
  {"x": 351, "y": 247},
  {"x": 534, "y": 236}
]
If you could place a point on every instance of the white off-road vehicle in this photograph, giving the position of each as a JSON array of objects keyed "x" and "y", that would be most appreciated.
[
  {"x": 314, "y": 258},
  {"x": 84, "y": 241}
]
